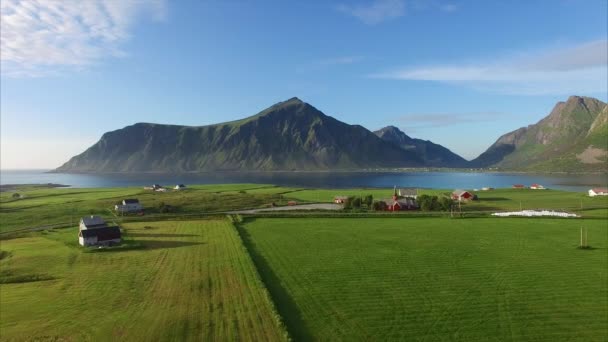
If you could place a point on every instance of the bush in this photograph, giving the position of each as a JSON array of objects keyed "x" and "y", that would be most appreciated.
[
  {"x": 348, "y": 202},
  {"x": 16, "y": 195},
  {"x": 356, "y": 203},
  {"x": 428, "y": 203},
  {"x": 165, "y": 208},
  {"x": 368, "y": 200},
  {"x": 445, "y": 203},
  {"x": 379, "y": 205}
]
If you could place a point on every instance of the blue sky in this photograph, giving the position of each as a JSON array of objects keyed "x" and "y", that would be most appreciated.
[{"x": 459, "y": 73}]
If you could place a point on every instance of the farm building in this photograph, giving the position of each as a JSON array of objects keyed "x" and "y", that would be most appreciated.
[
  {"x": 519, "y": 186},
  {"x": 598, "y": 192},
  {"x": 180, "y": 187},
  {"x": 105, "y": 236},
  {"x": 407, "y": 203},
  {"x": 462, "y": 195},
  {"x": 408, "y": 193},
  {"x": 340, "y": 199},
  {"x": 92, "y": 222},
  {"x": 94, "y": 231},
  {"x": 537, "y": 187},
  {"x": 129, "y": 206}
]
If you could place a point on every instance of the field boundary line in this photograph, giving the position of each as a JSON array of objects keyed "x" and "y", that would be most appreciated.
[{"x": 279, "y": 320}]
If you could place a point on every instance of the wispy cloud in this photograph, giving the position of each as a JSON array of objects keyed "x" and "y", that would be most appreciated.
[
  {"x": 419, "y": 121},
  {"x": 575, "y": 69},
  {"x": 375, "y": 12},
  {"x": 41, "y": 37},
  {"x": 378, "y": 11}
]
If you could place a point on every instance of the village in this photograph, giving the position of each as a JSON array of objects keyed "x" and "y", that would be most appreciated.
[{"x": 94, "y": 231}]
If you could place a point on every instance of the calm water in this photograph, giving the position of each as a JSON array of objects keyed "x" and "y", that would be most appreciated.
[{"x": 442, "y": 180}]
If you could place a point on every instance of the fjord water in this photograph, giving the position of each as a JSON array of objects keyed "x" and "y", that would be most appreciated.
[{"x": 437, "y": 180}]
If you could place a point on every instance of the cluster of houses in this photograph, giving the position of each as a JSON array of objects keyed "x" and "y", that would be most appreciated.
[
  {"x": 160, "y": 188},
  {"x": 402, "y": 199},
  {"x": 534, "y": 186},
  {"x": 94, "y": 231}
]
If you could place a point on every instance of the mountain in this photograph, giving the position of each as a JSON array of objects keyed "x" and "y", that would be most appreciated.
[
  {"x": 433, "y": 154},
  {"x": 290, "y": 135},
  {"x": 573, "y": 137}
]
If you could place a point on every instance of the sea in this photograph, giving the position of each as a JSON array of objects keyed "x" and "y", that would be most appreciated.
[{"x": 381, "y": 179}]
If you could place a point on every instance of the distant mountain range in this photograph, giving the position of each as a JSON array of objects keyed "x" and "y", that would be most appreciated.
[
  {"x": 293, "y": 135},
  {"x": 573, "y": 137}
]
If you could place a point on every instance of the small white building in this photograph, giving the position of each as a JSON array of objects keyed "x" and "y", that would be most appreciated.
[
  {"x": 598, "y": 192},
  {"x": 537, "y": 187},
  {"x": 130, "y": 205},
  {"x": 180, "y": 187},
  {"x": 94, "y": 231}
]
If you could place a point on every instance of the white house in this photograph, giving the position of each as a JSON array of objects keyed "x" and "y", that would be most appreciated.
[
  {"x": 129, "y": 206},
  {"x": 598, "y": 192},
  {"x": 180, "y": 187},
  {"x": 92, "y": 222},
  {"x": 105, "y": 236},
  {"x": 537, "y": 187},
  {"x": 94, "y": 231}
]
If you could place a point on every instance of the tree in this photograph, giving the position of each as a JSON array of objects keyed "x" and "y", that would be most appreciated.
[
  {"x": 348, "y": 202},
  {"x": 369, "y": 199},
  {"x": 379, "y": 205},
  {"x": 16, "y": 195},
  {"x": 428, "y": 203},
  {"x": 356, "y": 203},
  {"x": 445, "y": 203}
]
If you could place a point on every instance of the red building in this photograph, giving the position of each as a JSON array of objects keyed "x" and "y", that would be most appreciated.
[{"x": 461, "y": 195}]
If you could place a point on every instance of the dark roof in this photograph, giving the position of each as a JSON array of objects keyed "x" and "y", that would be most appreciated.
[
  {"x": 103, "y": 234},
  {"x": 91, "y": 221},
  {"x": 131, "y": 201}
]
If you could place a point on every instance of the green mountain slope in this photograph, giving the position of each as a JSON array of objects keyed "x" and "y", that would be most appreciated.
[
  {"x": 433, "y": 154},
  {"x": 290, "y": 135},
  {"x": 573, "y": 137}
]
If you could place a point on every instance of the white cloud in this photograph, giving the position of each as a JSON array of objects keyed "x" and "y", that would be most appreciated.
[
  {"x": 41, "y": 37},
  {"x": 375, "y": 12},
  {"x": 576, "y": 69}
]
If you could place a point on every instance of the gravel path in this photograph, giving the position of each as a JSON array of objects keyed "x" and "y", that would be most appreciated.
[{"x": 314, "y": 206}]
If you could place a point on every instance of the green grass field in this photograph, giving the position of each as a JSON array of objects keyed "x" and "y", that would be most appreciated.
[
  {"x": 40, "y": 207},
  {"x": 435, "y": 279},
  {"x": 192, "y": 281}
]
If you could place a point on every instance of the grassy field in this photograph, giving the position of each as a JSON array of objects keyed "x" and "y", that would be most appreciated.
[
  {"x": 435, "y": 279},
  {"x": 40, "y": 207},
  {"x": 192, "y": 281}
]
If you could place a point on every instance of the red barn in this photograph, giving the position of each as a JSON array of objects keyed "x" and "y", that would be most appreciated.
[
  {"x": 461, "y": 195},
  {"x": 519, "y": 186}
]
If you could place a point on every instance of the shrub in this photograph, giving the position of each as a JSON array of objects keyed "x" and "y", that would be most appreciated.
[
  {"x": 16, "y": 195},
  {"x": 428, "y": 203},
  {"x": 368, "y": 200},
  {"x": 445, "y": 203},
  {"x": 165, "y": 208},
  {"x": 356, "y": 203},
  {"x": 379, "y": 205}
]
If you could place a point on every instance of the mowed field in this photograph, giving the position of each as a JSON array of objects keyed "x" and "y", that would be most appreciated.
[
  {"x": 194, "y": 280},
  {"x": 434, "y": 279}
]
